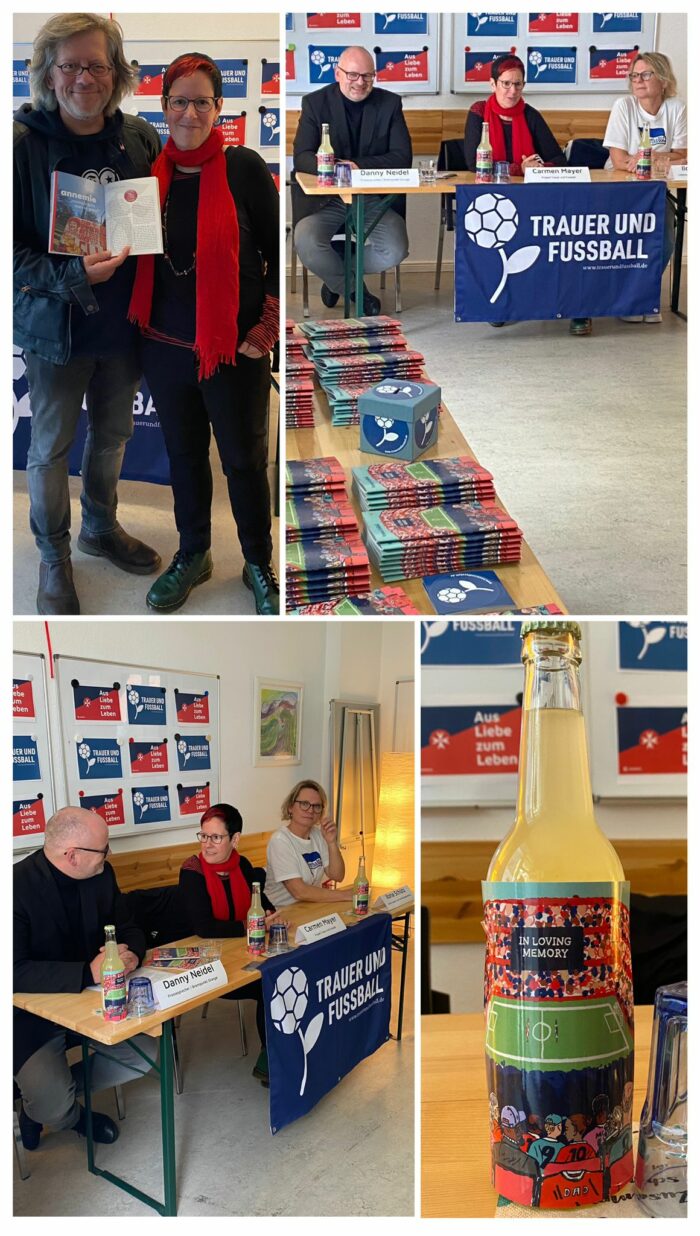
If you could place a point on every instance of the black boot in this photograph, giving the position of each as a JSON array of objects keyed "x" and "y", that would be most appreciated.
[
  {"x": 264, "y": 584},
  {"x": 330, "y": 299},
  {"x": 57, "y": 593},
  {"x": 123, "y": 550},
  {"x": 372, "y": 304},
  {"x": 104, "y": 1129},
  {"x": 30, "y": 1130}
]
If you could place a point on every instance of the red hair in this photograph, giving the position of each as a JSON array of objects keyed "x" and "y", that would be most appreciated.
[
  {"x": 504, "y": 63},
  {"x": 192, "y": 62}
]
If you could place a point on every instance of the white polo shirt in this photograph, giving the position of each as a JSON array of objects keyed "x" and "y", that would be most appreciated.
[
  {"x": 668, "y": 128},
  {"x": 294, "y": 858}
]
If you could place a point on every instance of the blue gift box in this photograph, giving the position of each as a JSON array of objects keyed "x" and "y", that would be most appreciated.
[{"x": 399, "y": 419}]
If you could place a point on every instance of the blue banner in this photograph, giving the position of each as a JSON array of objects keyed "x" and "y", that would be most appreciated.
[
  {"x": 234, "y": 78},
  {"x": 551, "y": 64},
  {"x": 471, "y": 642},
  {"x": 20, "y": 79},
  {"x": 322, "y": 62},
  {"x": 25, "y": 759},
  {"x": 151, "y": 804},
  {"x": 159, "y": 123},
  {"x": 327, "y": 1007},
  {"x": 145, "y": 705},
  {"x": 192, "y": 752},
  {"x": 270, "y": 127},
  {"x": 617, "y": 23},
  {"x": 501, "y": 24},
  {"x": 653, "y": 646},
  {"x": 558, "y": 251},
  {"x": 98, "y": 758},
  {"x": 400, "y": 23}
]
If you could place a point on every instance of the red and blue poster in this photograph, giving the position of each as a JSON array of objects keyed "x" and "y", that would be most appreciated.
[
  {"x": 618, "y": 23},
  {"x": 479, "y": 740},
  {"x": 477, "y": 64},
  {"x": 470, "y": 642},
  {"x": 20, "y": 79},
  {"x": 98, "y": 758},
  {"x": 148, "y": 757},
  {"x": 270, "y": 78},
  {"x": 333, "y": 21},
  {"x": 109, "y": 806},
  {"x": 274, "y": 170},
  {"x": 159, "y": 123},
  {"x": 192, "y": 707},
  {"x": 96, "y": 703},
  {"x": 151, "y": 79},
  {"x": 145, "y": 705},
  {"x": 22, "y": 698},
  {"x": 233, "y": 129},
  {"x": 193, "y": 751},
  {"x": 322, "y": 62},
  {"x": 25, "y": 758},
  {"x": 610, "y": 64},
  {"x": 552, "y": 23},
  {"x": 234, "y": 78},
  {"x": 28, "y": 816},
  {"x": 400, "y": 23},
  {"x": 402, "y": 66},
  {"x": 551, "y": 65},
  {"x": 151, "y": 804},
  {"x": 193, "y": 799},
  {"x": 270, "y": 127},
  {"x": 501, "y": 25},
  {"x": 653, "y": 646},
  {"x": 290, "y": 67},
  {"x": 652, "y": 741}
]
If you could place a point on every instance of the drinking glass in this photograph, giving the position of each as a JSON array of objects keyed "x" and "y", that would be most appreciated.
[
  {"x": 427, "y": 171},
  {"x": 660, "y": 164},
  {"x": 501, "y": 173},
  {"x": 661, "y": 1176},
  {"x": 141, "y": 1001},
  {"x": 278, "y": 941}
]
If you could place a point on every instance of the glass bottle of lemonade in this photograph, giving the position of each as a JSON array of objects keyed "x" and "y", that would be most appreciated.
[{"x": 558, "y": 982}]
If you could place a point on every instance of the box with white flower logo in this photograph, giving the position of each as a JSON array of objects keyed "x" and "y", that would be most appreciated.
[{"x": 399, "y": 420}]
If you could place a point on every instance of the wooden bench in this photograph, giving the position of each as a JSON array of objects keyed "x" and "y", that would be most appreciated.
[
  {"x": 430, "y": 126},
  {"x": 452, "y": 872},
  {"x": 159, "y": 867}
]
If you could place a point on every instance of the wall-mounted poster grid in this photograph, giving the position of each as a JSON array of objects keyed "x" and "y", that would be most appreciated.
[
  {"x": 406, "y": 48},
  {"x": 576, "y": 52},
  {"x": 32, "y": 774},
  {"x": 140, "y": 746}
]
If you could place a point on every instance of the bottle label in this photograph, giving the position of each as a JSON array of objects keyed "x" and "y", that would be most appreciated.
[
  {"x": 325, "y": 167},
  {"x": 643, "y": 169},
  {"x": 360, "y": 899},
  {"x": 114, "y": 1004},
  {"x": 484, "y": 166},
  {"x": 256, "y": 934},
  {"x": 559, "y": 1041}
]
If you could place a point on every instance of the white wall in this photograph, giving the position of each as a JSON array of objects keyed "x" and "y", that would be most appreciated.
[
  {"x": 170, "y": 25},
  {"x": 329, "y": 658}
]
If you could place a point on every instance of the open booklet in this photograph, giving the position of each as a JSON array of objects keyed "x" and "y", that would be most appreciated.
[{"x": 87, "y": 217}]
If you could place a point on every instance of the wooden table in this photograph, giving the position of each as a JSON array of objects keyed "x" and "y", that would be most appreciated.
[
  {"x": 455, "y": 1143},
  {"x": 82, "y": 1013},
  {"x": 526, "y": 581},
  {"x": 355, "y": 226}
]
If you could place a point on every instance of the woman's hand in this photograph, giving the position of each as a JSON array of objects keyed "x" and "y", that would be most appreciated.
[
  {"x": 329, "y": 828},
  {"x": 247, "y": 349},
  {"x": 99, "y": 267},
  {"x": 275, "y": 916},
  {"x": 532, "y": 160}
]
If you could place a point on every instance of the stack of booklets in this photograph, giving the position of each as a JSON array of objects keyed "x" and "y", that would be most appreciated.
[
  {"x": 438, "y": 482},
  {"x": 345, "y": 328},
  {"x": 311, "y": 517},
  {"x": 321, "y": 570},
  {"x": 353, "y": 345},
  {"x": 378, "y": 601},
  {"x": 411, "y": 542},
  {"x": 369, "y": 367},
  {"x": 299, "y": 407},
  {"x": 342, "y": 401},
  {"x": 315, "y": 476}
]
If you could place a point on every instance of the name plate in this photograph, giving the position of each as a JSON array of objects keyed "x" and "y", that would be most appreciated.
[
  {"x": 174, "y": 988},
  {"x": 319, "y": 929},
  {"x": 678, "y": 171},
  {"x": 395, "y": 899},
  {"x": 385, "y": 178},
  {"x": 582, "y": 174}
]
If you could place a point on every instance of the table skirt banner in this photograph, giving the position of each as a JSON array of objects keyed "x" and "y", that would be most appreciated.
[
  {"x": 526, "y": 252},
  {"x": 327, "y": 1007},
  {"x": 145, "y": 458}
]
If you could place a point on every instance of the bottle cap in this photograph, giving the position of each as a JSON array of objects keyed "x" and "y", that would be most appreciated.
[{"x": 553, "y": 625}]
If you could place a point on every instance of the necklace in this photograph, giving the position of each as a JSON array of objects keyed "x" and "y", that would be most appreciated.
[{"x": 179, "y": 274}]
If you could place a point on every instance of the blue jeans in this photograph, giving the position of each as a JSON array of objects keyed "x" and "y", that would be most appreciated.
[{"x": 56, "y": 396}]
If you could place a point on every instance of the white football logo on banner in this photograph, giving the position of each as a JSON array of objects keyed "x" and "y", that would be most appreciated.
[
  {"x": 287, "y": 1008},
  {"x": 490, "y": 222},
  {"x": 649, "y": 637}
]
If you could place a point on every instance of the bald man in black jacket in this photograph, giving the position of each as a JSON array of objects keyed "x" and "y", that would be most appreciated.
[
  {"x": 64, "y": 896},
  {"x": 367, "y": 129}
]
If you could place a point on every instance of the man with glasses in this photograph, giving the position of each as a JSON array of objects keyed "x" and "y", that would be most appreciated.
[
  {"x": 64, "y": 895},
  {"x": 367, "y": 129},
  {"x": 70, "y": 313}
]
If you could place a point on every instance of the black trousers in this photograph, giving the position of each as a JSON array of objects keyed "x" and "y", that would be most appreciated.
[{"x": 234, "y": 403}]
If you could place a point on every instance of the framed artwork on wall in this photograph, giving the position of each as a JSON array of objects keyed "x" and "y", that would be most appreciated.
[{"x": 277, "y": 722}]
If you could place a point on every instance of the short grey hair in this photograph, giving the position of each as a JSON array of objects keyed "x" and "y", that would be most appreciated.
[
  {"x": 67, "y": 26},
  {"x": 65, "y": 829}
]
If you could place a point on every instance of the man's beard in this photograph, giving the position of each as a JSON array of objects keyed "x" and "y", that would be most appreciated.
[{"x": 85, "y": 111}]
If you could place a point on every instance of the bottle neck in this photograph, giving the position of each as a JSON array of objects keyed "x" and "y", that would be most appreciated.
[
  {"x": 554, "y": 783},
  {"x": 256, "y": 903}
]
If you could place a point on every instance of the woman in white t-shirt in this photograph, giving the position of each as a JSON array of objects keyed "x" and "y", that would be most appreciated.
[{"x": 304, "y": 854}]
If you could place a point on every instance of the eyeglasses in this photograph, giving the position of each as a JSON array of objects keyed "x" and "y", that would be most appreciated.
[
  {"x": 179, "y": 103},
  {"x": 356, "y": 77},
  {"x": 641, "y": 77},
  {"x": 215, "y": 838},
  {"x": 73, "y": 69},
  {"x": 307, "y": 806},
  {"x": 510, "y": 85},
  {"x": 87, "y": 850}
]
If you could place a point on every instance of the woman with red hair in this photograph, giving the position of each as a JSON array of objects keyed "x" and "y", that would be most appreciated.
[{"x": 208, "y": 310}]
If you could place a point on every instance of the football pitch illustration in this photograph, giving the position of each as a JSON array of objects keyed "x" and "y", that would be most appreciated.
[{"x": 546, "y": 1036}]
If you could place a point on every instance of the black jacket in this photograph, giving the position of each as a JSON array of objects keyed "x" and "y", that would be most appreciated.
[
  {"x": 384, "y": 139},
  {"x": 196, "y": 901},
  {"x": 42, "y": 940},
  {"x": 48, "y": 287},
  {"x": 544, "y": 141}
]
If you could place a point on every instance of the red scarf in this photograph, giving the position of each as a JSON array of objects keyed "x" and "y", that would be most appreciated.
[
  {"x": 217, "y": 272},
  {"x": 240, "y": 893},
  {"x": 522, "y": 137}
]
